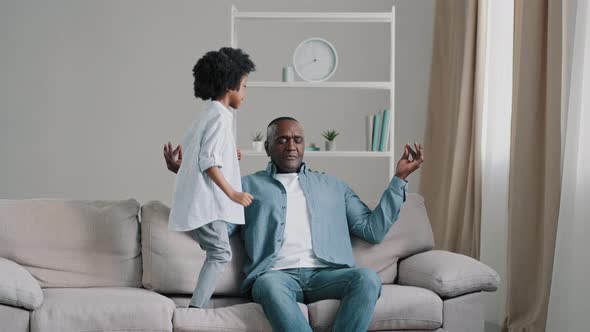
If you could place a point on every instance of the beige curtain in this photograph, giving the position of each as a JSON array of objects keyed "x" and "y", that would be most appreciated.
[
  {"x": 534, "y": 188},
  {"x": 451, "y": 186}
]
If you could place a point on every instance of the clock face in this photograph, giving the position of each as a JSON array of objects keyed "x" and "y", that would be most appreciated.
[{"x": 315, "y": 60}]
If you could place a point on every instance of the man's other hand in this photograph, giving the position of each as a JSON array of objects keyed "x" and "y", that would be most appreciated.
[
  {"x": 410, "y": 160},
  {"x": 173, "y": 157}
]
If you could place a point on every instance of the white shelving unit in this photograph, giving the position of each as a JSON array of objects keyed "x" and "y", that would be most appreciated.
[{"x": 327, "y": 17}]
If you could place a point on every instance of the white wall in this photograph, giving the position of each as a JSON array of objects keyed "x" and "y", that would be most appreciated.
[{"x": 91, "y": 90}]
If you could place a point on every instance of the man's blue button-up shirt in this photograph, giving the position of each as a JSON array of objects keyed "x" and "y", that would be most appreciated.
[{"x": 335, "y": 213}]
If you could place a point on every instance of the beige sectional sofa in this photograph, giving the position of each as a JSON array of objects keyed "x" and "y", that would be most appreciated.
[{"x": 70, "y": 265}]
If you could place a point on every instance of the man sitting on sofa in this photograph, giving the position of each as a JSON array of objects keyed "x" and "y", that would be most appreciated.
[{"x": 297, "y": 233}]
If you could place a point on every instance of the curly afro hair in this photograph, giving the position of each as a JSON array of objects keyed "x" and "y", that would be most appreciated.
[{"x": 219, "y": 71}]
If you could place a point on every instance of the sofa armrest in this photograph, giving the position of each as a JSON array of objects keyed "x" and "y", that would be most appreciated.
[
  {"x": 447, "y": 274},
  {"x": 18, "y": 288}
]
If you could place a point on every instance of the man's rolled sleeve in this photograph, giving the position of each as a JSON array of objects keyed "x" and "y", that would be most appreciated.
[
  {"x": 372, "y": 226},
  {"x": 399, "y": 187}
]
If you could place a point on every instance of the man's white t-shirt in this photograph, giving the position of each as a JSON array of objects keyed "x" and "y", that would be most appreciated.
[
  {"x": 197, "y": 199},
  {"x": 297, "y": 251}
]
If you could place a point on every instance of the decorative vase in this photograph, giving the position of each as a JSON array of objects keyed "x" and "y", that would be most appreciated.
[
  {"x": 330, "y": 145},
  {"x": 288, "y": 74},
  {"x": 257, "y": 146}
]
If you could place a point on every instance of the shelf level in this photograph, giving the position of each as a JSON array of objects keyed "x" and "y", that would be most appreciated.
[
  {"x": 351, "y": 85},
  {"x": 317, "y": 17},
  {"x": 382, "y": 154}
]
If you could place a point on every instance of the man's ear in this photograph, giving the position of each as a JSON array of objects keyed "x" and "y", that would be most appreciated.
[{"x": 266, "y": 148}]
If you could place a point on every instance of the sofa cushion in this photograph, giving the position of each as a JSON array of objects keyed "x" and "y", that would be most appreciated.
[
  {"x": 13, "y": 319},
  {"x": 17, "y": 287},
  {"x": 103, "y": 309},
  {"x": 447, "y": 274},
  {"x": 172, "y": 260},
  {"x": 65, "y": 243},
  {"x": 238, "y": 317},
  {"x": 409, "y": 235},
  {"x": 398, "y": 308}
]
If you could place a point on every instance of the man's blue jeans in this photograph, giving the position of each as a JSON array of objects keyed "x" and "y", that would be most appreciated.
[{"x": 278, "y": 292}]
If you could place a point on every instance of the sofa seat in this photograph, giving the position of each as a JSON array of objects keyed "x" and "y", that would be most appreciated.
[
  {"x": 13, "y": 319},
  {"x": 398, "y": 308},
  {"x": 102, "y": 309},
  {"x": 223, "y": 314}
]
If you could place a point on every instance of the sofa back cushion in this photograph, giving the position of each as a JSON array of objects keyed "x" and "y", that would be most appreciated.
[
  {"x": 68, "y": 243},
  {"x": 409, "y": 235},
  {"x": 173, "y": 260}
]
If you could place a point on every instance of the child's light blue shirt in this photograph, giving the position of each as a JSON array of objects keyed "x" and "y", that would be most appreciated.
[{"x": 197, "y": 199}]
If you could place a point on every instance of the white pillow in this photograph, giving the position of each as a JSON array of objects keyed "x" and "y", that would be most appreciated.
[
  {"x": 18, "y": 288},
  {"x": 447, "y": 274}
]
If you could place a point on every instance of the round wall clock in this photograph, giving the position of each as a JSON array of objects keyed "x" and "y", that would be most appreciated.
[{"x": 315, "y": 60}]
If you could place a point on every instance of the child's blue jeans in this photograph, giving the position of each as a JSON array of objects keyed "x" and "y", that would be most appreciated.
[{"x": 212, "y": 238}]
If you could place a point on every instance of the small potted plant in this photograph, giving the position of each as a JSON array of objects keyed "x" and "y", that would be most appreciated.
[
  {"x": 330, "y": 135},
  {"x": 257, "y": 143}
]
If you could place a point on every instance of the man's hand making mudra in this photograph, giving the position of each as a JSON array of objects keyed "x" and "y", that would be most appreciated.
[
  {"x": 410, "y": 160},
  {"x": 173, "y": 157}
]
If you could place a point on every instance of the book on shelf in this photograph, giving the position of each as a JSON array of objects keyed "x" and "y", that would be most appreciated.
[
  {"x": 369, "y": 132},
  {"x": 378, "y": 130},
  {"x": 385, "y": 130}
]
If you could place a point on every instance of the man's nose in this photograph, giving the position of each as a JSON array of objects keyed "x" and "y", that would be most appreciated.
[{"x": 291, "y": 144}]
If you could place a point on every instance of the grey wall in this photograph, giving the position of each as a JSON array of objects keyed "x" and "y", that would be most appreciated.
[{"x": 91, "y": 90}]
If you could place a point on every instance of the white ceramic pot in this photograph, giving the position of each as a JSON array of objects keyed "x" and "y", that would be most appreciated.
[
  {"x": 257, "y": 146},
  {"x": 330, "y": 146}
]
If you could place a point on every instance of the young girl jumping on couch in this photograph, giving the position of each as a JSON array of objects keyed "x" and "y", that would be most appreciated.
[{"x": 208, "y": 190}]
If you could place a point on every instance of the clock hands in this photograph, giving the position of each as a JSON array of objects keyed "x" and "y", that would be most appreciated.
[
  {"x": 309, "y": 63},
  {"x": 314, "y": 61}
]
